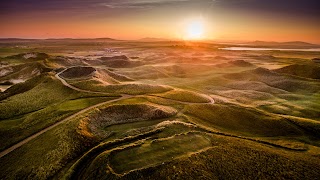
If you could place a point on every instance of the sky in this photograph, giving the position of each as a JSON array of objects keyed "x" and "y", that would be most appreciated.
[{"x": 226, "y": 20}]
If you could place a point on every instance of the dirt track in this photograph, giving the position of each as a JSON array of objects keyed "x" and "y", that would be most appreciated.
[
  {"x": 123, "y": 96},
  {"x": 12, "y": 148}
]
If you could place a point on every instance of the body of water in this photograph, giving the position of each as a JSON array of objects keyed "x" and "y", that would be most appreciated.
[{"x": 268, "y": 49}]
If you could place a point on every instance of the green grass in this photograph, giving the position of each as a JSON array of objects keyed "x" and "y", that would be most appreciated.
[
  {"x": 44, "y": 156},
  {"x": 240, "y": 120},
  {"x": 231, "y": 158},
  {"x": 133, "y": 89},
  {"x": 172, "y": 127},
  {"x": 185, "y": 96},
  {"x": 9, "y": 51},
  {"x": 305, "y": 106},
  {"x": 119, "y": 131},
  {"x": 155, "y": 152},
  {"x": 99, "y": 122},
  {"x": 46, "y": 93},
  {"x": 25, "y": 71},
  {"x": 48, "y": 102},
  {"x": 267, "y": 123},
  {"x": 78, "y": 104}
]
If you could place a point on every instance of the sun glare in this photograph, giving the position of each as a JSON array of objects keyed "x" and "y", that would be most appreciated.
[{"x": 194, "y": 30}]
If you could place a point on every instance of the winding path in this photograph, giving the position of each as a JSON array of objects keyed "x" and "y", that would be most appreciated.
[
  {"x": 64, "y": 82},
  {"x": 12, "y": 148}
]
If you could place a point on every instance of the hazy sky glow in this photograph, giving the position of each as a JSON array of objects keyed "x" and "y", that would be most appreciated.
[{"x": 273, "y": 20}]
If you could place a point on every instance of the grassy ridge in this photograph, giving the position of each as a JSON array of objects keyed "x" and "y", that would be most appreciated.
[
  {"x": 75, "y": 170},
  {"x": 156, "y": 151},
  {"x": 229, "y": 158},
  {"x": 264, "y": 124},
  {"x": 133, "y": 89},
  {"x": 46, "y": 103},
  {"x": 241, "y": 120},
  {"x": 185, "y": 96},
  {"x": 47, "y": 92},
  {"x": 50, "y": 152}
]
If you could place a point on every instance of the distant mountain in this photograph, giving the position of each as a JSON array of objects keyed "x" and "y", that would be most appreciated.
[
  {"x": 16, "y": 40},
  {"x": 290, "y": 44},
  {"x": 83, "y": 39},
  {"x": 154, "y": 39},
  {"x": 107, "y": 39},
  {"x": 56, "y": 39}
]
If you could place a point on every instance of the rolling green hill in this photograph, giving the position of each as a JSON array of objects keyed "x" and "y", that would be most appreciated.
[{"x": 105, "y": 109}]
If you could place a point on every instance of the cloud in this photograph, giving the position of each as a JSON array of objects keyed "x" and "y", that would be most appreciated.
[
  {"x": 286, "y": 6},
  {"x": 141, "y": 4},
  {"x": 34, "y": 5}
]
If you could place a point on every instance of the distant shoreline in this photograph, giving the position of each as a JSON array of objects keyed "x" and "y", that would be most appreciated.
[{"x": 270, "y": 49}]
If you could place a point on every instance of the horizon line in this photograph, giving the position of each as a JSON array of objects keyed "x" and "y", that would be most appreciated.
[{"x": 156, "y": 39}]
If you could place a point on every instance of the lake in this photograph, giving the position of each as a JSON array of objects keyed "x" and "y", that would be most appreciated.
[{"x": 268, "y": 49}]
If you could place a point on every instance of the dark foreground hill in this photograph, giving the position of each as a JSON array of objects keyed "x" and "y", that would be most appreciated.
[
  {"x": 311, "y": 70},
  {"x": 173, "y": 113}
]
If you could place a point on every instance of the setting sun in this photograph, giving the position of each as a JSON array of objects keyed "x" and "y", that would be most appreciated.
[
  {"x": 194, "y": 30},
  {"x": 159, "y": 89}
]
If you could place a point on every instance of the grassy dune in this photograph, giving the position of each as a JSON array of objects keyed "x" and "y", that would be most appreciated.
[
  {"x": 97, "y": 123},
  {"x": 155, "y": 152},
  {"x": 230, "y": 158},
  {"x": 77, "y": 72},
  {"x": 50, "y": 152},
  {"x": 304, "y": 70},
  {"x": 243, "y": 121},
  {"x": 185, "y": 96},
  {"x": 286, "y": 83},
  {"x": 22, "y": 72},
  {"x": 47, "y": 102},
  {"x": 262, "y": 124},
  {"x": 133, "y": 89}
]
